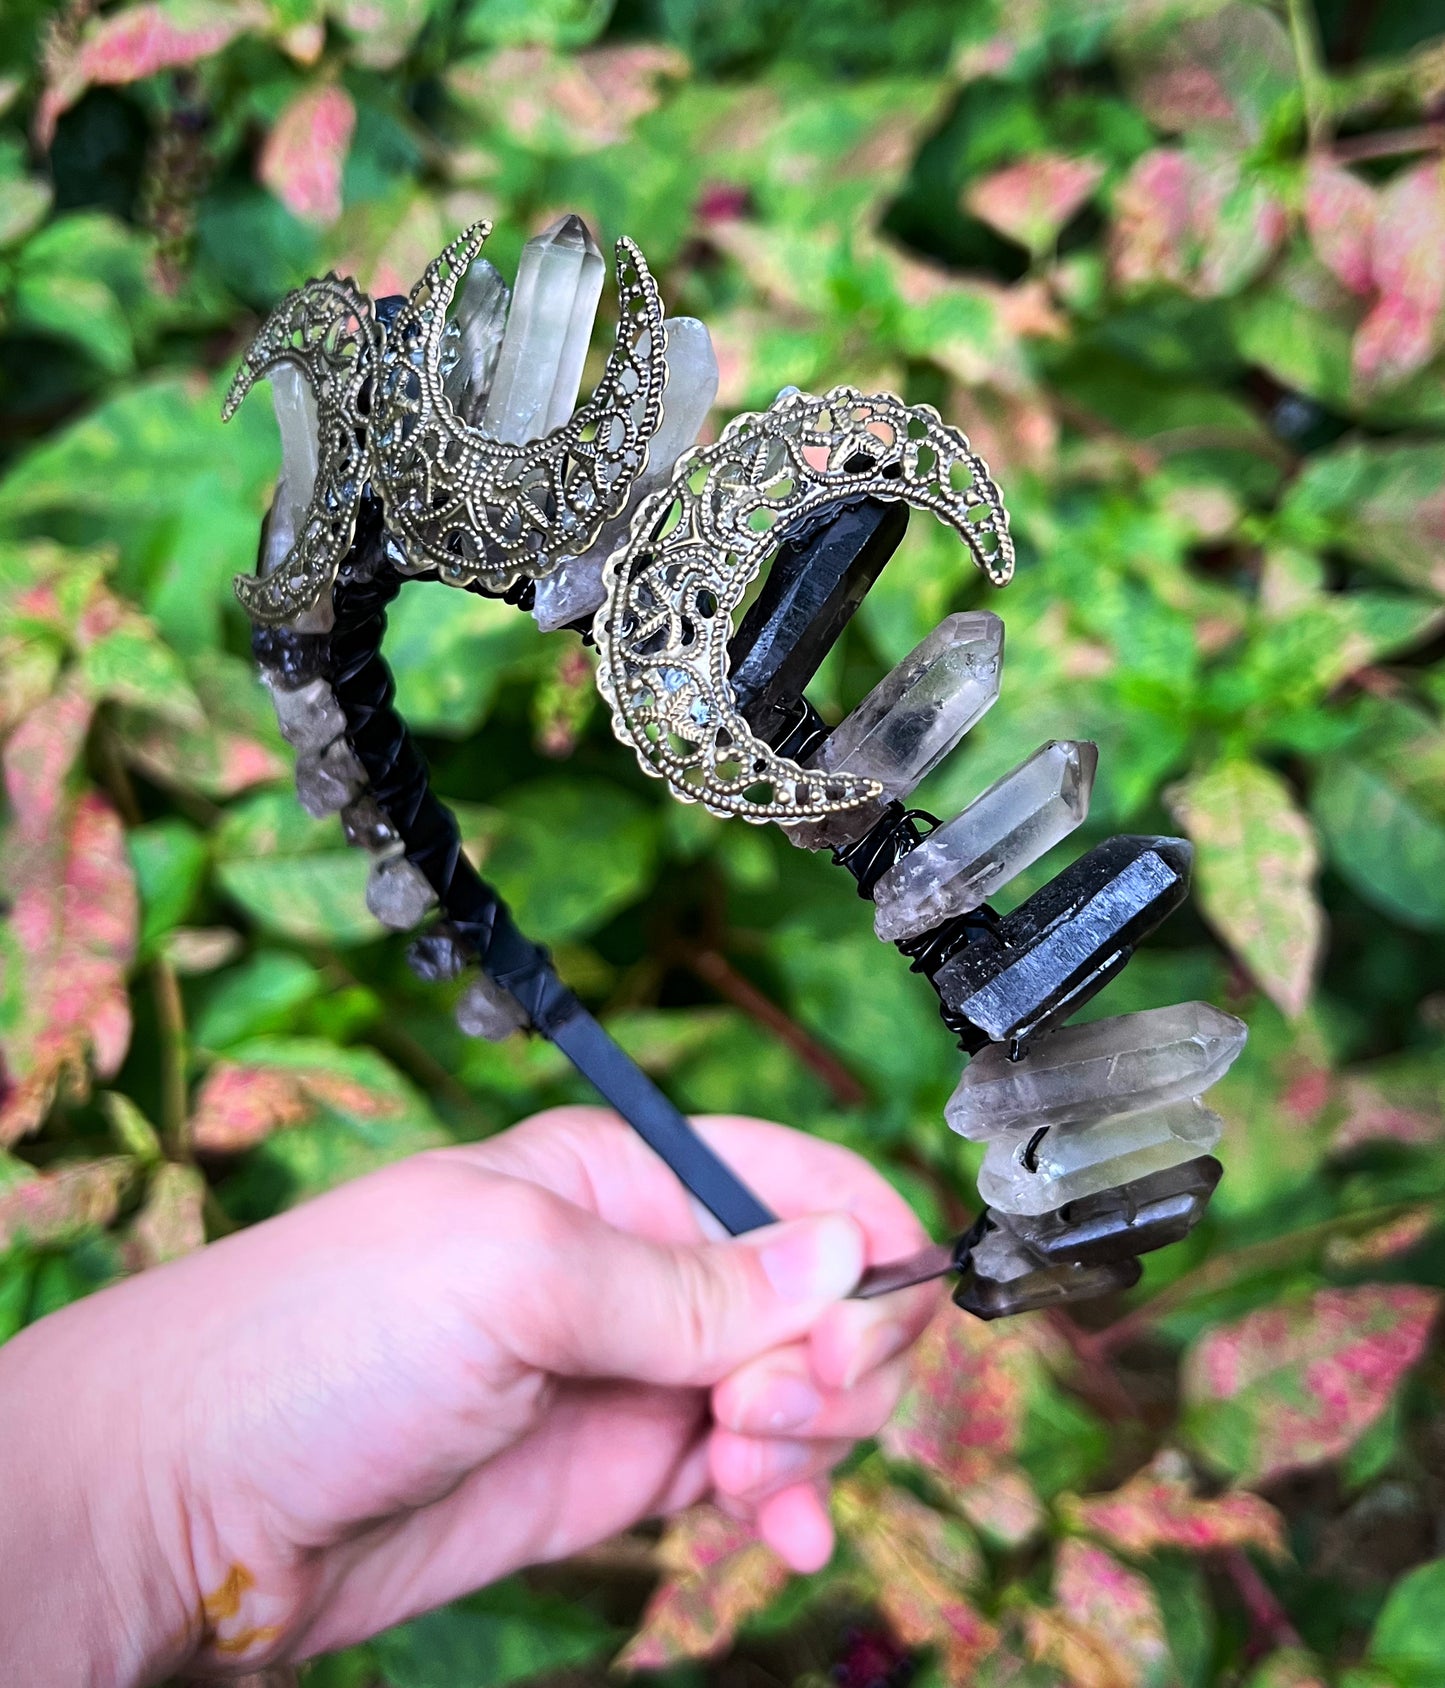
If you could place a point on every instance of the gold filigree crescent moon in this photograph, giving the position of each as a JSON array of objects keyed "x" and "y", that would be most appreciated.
[
  {"x": 476, "y": 509},
  {"x": 694, "y": 547},
  {"x": 327, "y": 330}
]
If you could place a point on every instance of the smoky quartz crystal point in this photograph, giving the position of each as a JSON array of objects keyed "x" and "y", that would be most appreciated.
[
  {"x": 1128, "y": 1220},
  {"x": 1083, "y": 1073},
  {"x": 1002, "y": 1275},
  {"x": 1033, "y": 968}
]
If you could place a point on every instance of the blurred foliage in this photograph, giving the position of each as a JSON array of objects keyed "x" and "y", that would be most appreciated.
[{"x": 1176, "y": 267}]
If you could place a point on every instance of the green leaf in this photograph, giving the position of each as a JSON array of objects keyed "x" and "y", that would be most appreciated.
[
  {"x": 283, "y": 869},
  {"x": 261, "y": 995},
  {"x": 133, "y": 666},
  {"x": 169, "y": 860},
  {"x": 557, "y": 889},
  {"x": 1383, "y": 841},
  {"x": 1409, "y": 1634},
  {"x": 503, "y": 1635},
  {"x": 1384, "y": 501},
  {"x": 1254, "y": 873},
  {"x": 448, "y": 653}
]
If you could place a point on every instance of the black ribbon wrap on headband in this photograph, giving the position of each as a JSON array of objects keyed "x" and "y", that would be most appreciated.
[{"x": 349, "y": 659}]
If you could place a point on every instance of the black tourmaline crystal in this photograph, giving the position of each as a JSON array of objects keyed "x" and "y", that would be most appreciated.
[
  {"x": 819, "y": 577},
  {"x": 1118, "y": 1224},
  {"x": 1046, "y": 959}
]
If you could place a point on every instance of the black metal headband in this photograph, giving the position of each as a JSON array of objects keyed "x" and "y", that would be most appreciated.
[{"x": 430, "y": 465}]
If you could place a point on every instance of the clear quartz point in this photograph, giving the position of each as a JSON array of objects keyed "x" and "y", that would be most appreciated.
[
  {"x": 1033, "y": 1172},
  {"x": 481, "y": 320},
  {"x": 574, "y": 589},
  {"x": 309, "y": 716},
  {"x": 397, "y": 893},
  {"x": 327, "y": 782},
  {"x": 1084, "y": 1073},
  {"x": 296, "y": 418},
  {"x": 486, "y": 1010},
  {"x": 910, "y": 720},
  {"x": 436, "y": 957},
  {"x": 554, "y": 304},
  {"x": 995, "y": 838}
]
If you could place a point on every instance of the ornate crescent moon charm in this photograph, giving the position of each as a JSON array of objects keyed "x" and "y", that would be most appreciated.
[
  {"x": 477, "y": 509},
  {"x": 694, "y": 548},
  {"x": 326, "y": 329}
]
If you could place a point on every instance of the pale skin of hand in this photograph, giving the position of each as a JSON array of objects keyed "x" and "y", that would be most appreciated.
[{"x": 479, "y": 1359}]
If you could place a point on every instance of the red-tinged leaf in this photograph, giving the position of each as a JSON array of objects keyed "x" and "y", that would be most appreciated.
[
  {"x": 1107, "y": 1630},
  {"x": 1159, "y": 1508},
  {"x": 1403, "y": 331},
  {"x": 1292, "y": 1668},
  {"x": 305, "y": 153},
  {"x": 1193, "y": 220},
  {"x": 568, "y": 103},
  {"x": 1385, "y": 1242},
  {"x": 1254, "y": 871},
  {"x": 962, "y": 1418},
  {"x": 718, "y": 1574},
  {"x": 170, "y": 1222},
  {"x": 1032, "y": 200},
  {"x": 54, "y": 1206},
  {"x": 1340, "y": 215},
  {"x": 1220, "y": 75},
  {"x": 1392, "y": 1107},
  {"x": 126, "y": 46},
  {"x": 1293, "y": 1386},
  {"x": 74, "y": 916},
  {"x": 238, "y": 1107},
  {"x": 921, "y": 1564},
  {"x": 38, "y": 758}
]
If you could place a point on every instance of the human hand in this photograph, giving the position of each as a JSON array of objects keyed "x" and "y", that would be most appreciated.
[{"x": 482, "y": 1358}]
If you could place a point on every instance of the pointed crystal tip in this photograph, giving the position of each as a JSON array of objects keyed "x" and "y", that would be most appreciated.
[{"x": 570, "y": 232}]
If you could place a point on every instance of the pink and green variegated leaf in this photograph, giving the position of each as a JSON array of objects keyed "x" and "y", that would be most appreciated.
[
  {"x": 962, "y": 1418},
  {"x": 1254, "y": 873},
  {"x": 1158, "y": 1508},
  {"x": 38, "y": 758},
  {"x": 1193, "y": 220},
  {"x": 1032, "y": 200},
  {"x": 920, "y": 1564},
  {"x": 1106, "y": 1629},
  {"x": 171, "y": 1219},
  {"x": 1341, "y": 209},
  {"x": 1295, "y": 1385},
  {"x": 55, "y": 1206},
  {"x": 129, "y": 44},
  {"x": 305, "y": 153},
  {"x": 718, "y": 1574},
  {"x": 1403, "y": 331},
  {"x": 74, "y": 919}
]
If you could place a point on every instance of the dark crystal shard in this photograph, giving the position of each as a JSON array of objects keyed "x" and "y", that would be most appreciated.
[
  {"x": 1118, "y": 1224},
  {"x": 1055, "y": 951},
  {"x": 1002, "y": 1275},
  {"x": 818, "y": 578}
]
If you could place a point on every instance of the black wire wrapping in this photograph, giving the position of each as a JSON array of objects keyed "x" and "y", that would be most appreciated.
[{"x": 349, "y": 659}]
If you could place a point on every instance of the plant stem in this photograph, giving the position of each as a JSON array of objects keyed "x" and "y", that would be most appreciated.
[
  {"x": 1393, "y": 143},
  {"x": 716, "y": 970},
  {"x": 1269, "y": 1623},
  {"x": 1314, "y": 86}
]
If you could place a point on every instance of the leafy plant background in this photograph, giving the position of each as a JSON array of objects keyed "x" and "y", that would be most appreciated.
[{"x": 1177, "y": 269}]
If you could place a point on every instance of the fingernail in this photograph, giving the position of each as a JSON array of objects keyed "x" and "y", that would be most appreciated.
[
  {"x": 783, "y": 1403},
  {"x": 813, "y": 1259},
  {"x": 878, "y": 1343},
  {"x": 781, "y": 1460}
]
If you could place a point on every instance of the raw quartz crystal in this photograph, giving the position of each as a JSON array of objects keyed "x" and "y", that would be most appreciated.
[
  {"x": 910, "y": 721},
  {"x": 1005, "y": 1276},
  {"x": 996, "y": 837},
  {"x": 480, "y": 320},
  {"x": 1080, "y": 1074},
  {"x": 1128, "y": 1220},
  {"x": 328, "y": 782},
  {"x": 397, "y": 893},
  {"x": 296, "y": 417},
  {"x": 574, "y": 589},
  {"x": 309, "y": 716},
  {"x": 549, "y": 326},
  {"x": 486, "y": 1010},
  {"x": 365, "y": 826},
  {"x": 1039, "y": 1171}
]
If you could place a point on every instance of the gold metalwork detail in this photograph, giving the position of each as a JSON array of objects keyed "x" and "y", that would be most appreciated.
[
  {"x": 695, "y": 546},
  {"x": 327, "y": 330},
  {"x": 476, "y": 509}
]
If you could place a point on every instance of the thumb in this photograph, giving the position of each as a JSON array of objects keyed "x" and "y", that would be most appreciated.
[{"x": 611, "y": 1304}]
